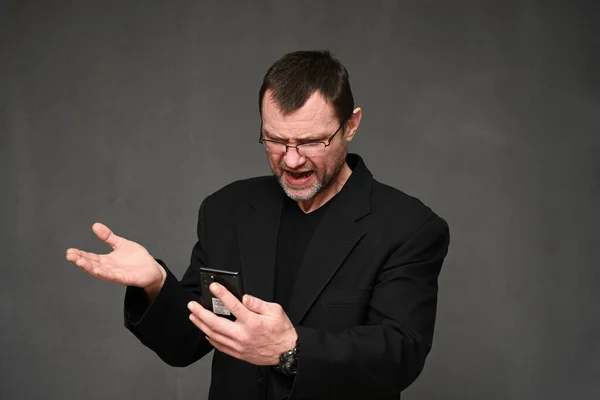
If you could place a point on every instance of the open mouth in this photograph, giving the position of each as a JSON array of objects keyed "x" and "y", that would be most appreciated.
[
  {"x": 299, "y": 175},
  {"x": 298, "y": 178}
]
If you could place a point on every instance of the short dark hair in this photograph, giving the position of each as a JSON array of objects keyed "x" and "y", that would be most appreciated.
[{"x": 296, "y": 76}]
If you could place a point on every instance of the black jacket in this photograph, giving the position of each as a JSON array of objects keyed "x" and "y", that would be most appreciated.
[{"x": 364, "y": 301}]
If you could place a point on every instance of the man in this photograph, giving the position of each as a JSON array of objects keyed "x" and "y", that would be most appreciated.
[{"x": 340, "y": 270}]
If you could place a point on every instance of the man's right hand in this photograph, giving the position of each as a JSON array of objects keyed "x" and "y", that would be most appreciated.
[{"x": 128, "y": 264}]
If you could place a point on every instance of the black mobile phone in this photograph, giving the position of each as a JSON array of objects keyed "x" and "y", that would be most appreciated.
[{"x": 232, "y": 281}]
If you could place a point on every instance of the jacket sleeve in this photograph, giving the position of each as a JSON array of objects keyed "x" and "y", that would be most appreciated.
[
  {"x": 387, "y": 353},
  {"x": 164, "y": 325}
]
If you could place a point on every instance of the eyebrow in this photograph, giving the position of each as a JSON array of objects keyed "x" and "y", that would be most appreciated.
[{"x": 309, "y": 138}]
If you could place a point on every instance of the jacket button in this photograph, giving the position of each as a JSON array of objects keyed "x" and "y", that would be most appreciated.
[{"x": 260, "y": 380}]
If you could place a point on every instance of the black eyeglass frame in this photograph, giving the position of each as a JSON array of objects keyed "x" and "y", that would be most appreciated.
[{"x": 326, "y": 143}]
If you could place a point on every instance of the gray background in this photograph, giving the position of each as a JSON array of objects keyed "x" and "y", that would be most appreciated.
[{"x": 131, "y": 112}]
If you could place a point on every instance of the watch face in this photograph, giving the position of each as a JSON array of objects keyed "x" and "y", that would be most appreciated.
[
  {"x": 291, "y": 364},
  {"x": 288, "y": 363}
]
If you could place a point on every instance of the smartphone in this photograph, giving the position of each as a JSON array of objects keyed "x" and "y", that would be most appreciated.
[{"x": 232, "y": 281}]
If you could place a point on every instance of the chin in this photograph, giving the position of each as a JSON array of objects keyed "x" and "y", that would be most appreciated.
[{"x": 300, "y": 194}]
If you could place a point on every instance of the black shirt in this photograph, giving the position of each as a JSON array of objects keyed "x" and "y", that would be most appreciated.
[{"x": 296, "y": 228}]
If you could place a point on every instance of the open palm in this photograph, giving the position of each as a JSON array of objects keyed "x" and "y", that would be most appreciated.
[{"x": 128, "y": 264}]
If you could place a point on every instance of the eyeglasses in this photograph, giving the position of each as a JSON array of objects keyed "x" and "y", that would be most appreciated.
[{"x": 308, "y": 149}]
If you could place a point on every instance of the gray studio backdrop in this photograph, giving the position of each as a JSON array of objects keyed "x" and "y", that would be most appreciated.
[{"x": 131, "y": 112}]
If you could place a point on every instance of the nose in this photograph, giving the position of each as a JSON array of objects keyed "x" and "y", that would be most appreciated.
[{"x": 293, "y": 159}]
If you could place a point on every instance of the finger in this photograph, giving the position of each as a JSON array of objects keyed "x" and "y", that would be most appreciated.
[
  {"x": 230, "y": 301},
  {"x": 106, "y": 235},
  {"x": 77, "y": 257},
  {"x": 224, "y": 349},
  {"x": 214, "y": 335},
  {"x": 93, "y": 257},
  {"x": 94, "y": 267},
  {"x": 91, "y": 267},
  {"x": 212, "y": 321},
  {"x": 74, "y": 254},
  {"x": 256, "y": 305}
]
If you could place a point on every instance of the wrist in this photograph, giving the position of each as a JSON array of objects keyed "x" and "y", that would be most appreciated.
[
  {"x": 153, "y": 289},
  {"x": 287, "y": 363},
  {"x": 291, "y": 341}
]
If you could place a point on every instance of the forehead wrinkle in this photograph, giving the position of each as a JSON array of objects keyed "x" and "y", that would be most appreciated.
[{"x": 311, "y": 121}]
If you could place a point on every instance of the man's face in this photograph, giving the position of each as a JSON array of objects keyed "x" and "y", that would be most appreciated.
[{"x": 303, "y": 177}]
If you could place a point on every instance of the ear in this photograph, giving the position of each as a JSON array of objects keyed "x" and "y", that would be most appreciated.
[{"x": 352, "y": 124}]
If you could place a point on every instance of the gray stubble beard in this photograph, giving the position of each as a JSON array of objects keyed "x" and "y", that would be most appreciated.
[{"x": 317, "y": 188}]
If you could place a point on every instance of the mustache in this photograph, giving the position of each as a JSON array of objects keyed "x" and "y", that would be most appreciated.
[{"x": 284, "y": 168}]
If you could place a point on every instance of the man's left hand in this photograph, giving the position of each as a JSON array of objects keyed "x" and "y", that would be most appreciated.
[{"x": 261, "y": 333}]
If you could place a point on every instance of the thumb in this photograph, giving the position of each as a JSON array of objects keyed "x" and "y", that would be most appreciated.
[
  {"x": 106, "y": 235},
  {"x": 255, "y": 304}
]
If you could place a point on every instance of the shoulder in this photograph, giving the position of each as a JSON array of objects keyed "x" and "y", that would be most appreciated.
[
  {"x": 244, "y": 186},
  {"x": 240, "y": 191},
  {"x": 390, "y": 209},
  {"x": 393, "y": 207}
]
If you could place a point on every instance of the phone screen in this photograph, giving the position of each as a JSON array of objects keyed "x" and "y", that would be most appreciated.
[{"x": 232, "y": 281}]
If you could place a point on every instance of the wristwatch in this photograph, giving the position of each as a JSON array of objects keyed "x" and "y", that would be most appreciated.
[{"x": 288, "y": 362}]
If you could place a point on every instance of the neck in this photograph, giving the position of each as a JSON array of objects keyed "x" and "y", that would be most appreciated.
[{"x": 334, "y": 188}]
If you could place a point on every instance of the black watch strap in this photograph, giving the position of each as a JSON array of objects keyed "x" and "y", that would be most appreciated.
[{"x": 288, "y": 362}]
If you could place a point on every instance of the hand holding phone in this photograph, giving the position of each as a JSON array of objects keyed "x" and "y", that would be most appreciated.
[{"x": 232, "y": 281}]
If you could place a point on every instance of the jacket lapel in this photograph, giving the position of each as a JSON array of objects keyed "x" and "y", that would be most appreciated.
[
  {"x": 257, "y": 231},
  {"x": 333, "y": 240}
]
